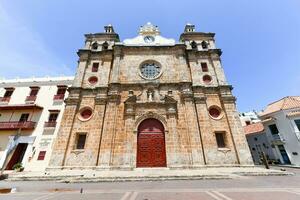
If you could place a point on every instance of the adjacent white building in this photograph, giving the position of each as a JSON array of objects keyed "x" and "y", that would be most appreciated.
[
  {"x": 281, "y": 120},
  {"x": 248, "y": 118},
  {"x": 259, "y": 143},
  {"x": 30, "y": 114}
]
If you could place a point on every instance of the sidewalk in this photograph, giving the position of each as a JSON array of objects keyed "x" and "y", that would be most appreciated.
[
  {"x": 290, "y": 166},
  {"x": 144, "y": 174}
]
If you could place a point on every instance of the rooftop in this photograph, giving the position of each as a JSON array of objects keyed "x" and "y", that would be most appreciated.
[
  {"x": 282, "y": 104},
  {"x": 22, "y": 82},
  {"x": 37, "y": 79},
  {"x": 254, "y": 128}
]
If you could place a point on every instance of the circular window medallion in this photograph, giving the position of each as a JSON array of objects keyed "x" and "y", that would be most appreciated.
[
  {"x": 150, "y": 70},
  {"x": 215, "y": 112},
  {"x": 93, "y": 80},
  {"x": 85, "y": 114},
  {"x": 206, "y": 79},
  {"x": 149, "y": 39}
]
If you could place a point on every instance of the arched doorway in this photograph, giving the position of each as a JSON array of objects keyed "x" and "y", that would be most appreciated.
[{"x": 151, "y": 151}]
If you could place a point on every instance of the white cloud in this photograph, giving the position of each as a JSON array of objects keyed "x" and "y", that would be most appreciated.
[{"x": 23, "y": 53}]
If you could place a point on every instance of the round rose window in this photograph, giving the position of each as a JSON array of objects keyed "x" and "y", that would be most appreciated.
[
  {"x": 214, "y": 112},
  {"x": 206, "y": 79},
  {"x": 86, "y": 113},
  {"x": 150, "y": 70},
  {"x": 93, "y": 80}
]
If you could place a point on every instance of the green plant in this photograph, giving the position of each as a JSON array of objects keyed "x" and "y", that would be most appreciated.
[{"x": 18, "y": 166}]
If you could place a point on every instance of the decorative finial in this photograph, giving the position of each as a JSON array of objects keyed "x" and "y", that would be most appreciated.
[{"x": 149, "y": 29}]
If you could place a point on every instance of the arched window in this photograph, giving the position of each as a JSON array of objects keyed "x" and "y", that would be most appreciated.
[
  {"x": 105, "y": 45},
  {"x": 194, "y": 45},
  {"x": 95, "y": 46},
  {"x": 204, "y": 45}
]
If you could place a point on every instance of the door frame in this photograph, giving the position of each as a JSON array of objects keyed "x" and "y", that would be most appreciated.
[{"x": 163, "y": 131}]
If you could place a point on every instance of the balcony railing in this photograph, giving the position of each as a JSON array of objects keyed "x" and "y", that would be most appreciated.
[
  {"x": 278, "y": 137},
  {"x": 4, "y": 99},
  {"x": 31, "y": 98},
  {"x": 58, "y": 97},
  {"x": 17, "y": 125},
  {"x": 50, "y": 124}
]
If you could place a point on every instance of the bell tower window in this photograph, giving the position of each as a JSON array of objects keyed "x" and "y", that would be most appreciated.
[
  {"x": 204, "y": 45},
  {"x": 204, "y": 67},
  {"x": 95, "y": 46},
  {"x": 105, "y": 45},
  {"x": 95, "y": 67}
]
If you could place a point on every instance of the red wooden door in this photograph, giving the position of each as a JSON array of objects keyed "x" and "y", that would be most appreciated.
[{"x": 151, "y": 144}]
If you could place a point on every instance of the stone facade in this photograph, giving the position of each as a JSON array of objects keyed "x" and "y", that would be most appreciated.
[{"x": 122, "y": 97}]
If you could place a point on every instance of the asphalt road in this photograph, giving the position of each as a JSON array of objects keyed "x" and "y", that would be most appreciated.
[{"x": 246, "y": 188}]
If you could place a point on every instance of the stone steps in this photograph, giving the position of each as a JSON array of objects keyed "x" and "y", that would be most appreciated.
[{"x": 143, "y": 175}]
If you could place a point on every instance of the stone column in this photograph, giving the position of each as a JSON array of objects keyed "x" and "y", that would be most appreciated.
[
  {"x": 100, "y": 111},
  {"x": 238, "y": 137},
  {"x": 108, "y": 134},
  {"x": 115, "y": 73},
  {"x": 82, "y": 65},
  {"x": 184, "y": 71},
  {"x": 131, "y": 139},
  {"x": 61, "y": 143},
  {"x": 173, "y": 142},
  {"x": 193, "y": 131},
  {"x": 216, "y": 63}
]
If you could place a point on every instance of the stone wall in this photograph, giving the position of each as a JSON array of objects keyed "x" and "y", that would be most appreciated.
[{"x": 180, "y": 100}]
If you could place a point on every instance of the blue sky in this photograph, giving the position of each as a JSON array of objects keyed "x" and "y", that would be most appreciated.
[{"x": 260, "y": 39}]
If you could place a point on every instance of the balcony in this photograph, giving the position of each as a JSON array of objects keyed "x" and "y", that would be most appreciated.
[
  {"x": 30, "y": 99},
  {"x": 58, "y": 97},
  {"x": 17, "y": 125},
  {"x": 4, "y": 100},
  {"x": 278, "y": 139},
  {"x": 50, "y": 124}
]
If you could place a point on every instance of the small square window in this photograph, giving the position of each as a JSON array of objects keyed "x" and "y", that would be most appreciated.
[
  {"x": 8, "y": 92},
  {"x": 24, "y": 117},
  {"x": 34, "y": 91},
  {"x": 53, "y": 117},
  {"x": 220, "y": 137},
  {"x": 273, "y": 128},
  {"x": 95, "y": 67},
  {"x": 61, "y": 91},
  {"x": 204, "y": 67},
  {"x": 41, "y": 155},
  {"x": 297, "y": 122},
  {"x": 80, "y": 142}
]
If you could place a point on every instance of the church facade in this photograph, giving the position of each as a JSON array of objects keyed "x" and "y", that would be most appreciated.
[{"x": 150, "y": 101}]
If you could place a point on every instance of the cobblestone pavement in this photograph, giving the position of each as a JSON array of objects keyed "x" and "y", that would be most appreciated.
[{"x": 246, "y": 188}]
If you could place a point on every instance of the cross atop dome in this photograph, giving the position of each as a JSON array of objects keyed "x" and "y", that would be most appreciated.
[{"x": 149, "y": 29}]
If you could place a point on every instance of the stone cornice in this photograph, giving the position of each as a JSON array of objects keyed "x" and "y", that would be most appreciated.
[
  {"x": 100, "y": 100},
  {"x": 203, "y": 88},
  {"x": 102, "y": 36},
  {"x": 197, "y": 35},
  {"x": 85, "y": 53},
  {"x": 72, "y": 101},
  {"x": 206, "y": 52},
  {"x": 228, "y": 99},
  {"x": 200, "y": 99},
  {"x": 176, "y": 46}
]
